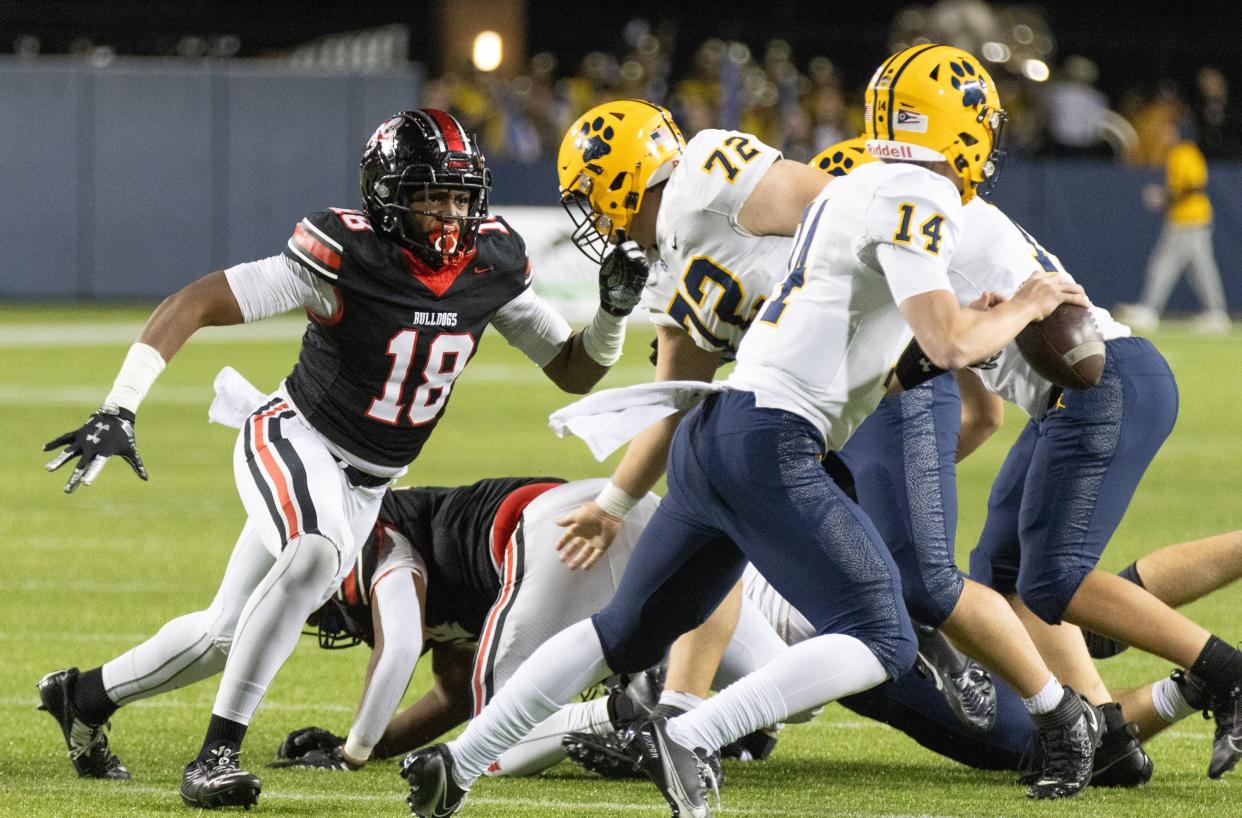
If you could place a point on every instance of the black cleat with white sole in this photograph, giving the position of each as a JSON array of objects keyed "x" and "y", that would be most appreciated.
[
  {"x": 433, "y": 792},
  {"x": 681, "y": 774},
  {"x": 1071, "y": 733},
  {"x": 217, "y": 780},
  {"x": 88, "y": 744},
  {"x": 966, "y": 686}
]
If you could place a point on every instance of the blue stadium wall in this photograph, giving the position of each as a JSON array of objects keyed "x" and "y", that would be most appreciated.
[{"x": 127, "y": 181}]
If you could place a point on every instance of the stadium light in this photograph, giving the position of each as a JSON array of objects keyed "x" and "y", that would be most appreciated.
[
  {"x": 488, "y": 51},
  {"x": 1036, "y": 70},
  {"x": 996, "y": 52}
]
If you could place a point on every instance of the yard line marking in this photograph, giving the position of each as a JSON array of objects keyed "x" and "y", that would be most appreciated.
[
  {"x": 70, "y": 636},
  {"x": 397, "y": 797},
  {"x": 93, "y": 587},
  {"x": 205, "y": 704},
  {"x": 107, "y": 333},
  {"x": 19, "y": 394}
]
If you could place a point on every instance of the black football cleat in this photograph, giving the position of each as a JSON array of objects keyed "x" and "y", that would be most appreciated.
[
  {"x": 1227, "y": 744},
  {"x": 88, "y": 744},
  {"x": 219, "y": 781},
  {"x": 1070, "y": 733},
  {"x": 606, "y": 755},
  {"x": 967, "y": 688},
  {"x": 634, "y": 700},
  {"x": 682, "y": 775},
  {"x": 433, "y": 792},
  {"x": 1120, "y": 761}
]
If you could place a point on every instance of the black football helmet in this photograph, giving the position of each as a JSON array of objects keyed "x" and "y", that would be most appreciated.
[{"x": 416, "y": 151}]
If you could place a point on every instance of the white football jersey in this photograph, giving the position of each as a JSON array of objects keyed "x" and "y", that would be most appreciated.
[
  {"x": 823, "y": 344},
  {"x": 994, "y": 254},
  {"x": 712, "y": 275}
]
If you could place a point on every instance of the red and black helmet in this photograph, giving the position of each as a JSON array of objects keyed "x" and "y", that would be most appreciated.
[{"x": 416, "y": 151}]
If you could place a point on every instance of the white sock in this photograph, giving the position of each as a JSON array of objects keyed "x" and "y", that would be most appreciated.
[
  {"x": 558, "y": 670},
  {"x": 1167, "y": 699},
  {"x": 684, "y": 702},
  {"x": 542, "y": 746},
  {"x": 807, "y": 675},
  {"x": 1047, "y": 699},
  {"x": 272, "y": 621}
]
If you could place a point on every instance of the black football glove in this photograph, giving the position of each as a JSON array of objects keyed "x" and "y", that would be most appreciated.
[
  {"x": 108, "y": 432},
  {"x": 622, "y": 276},
  {"x": 307, "y": 740},
  {"x": 333, "y": 759}
]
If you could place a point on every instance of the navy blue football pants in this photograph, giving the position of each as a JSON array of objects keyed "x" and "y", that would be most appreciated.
[
  {"x": 903, "y": 460},
  {"x": 1069, "y": 477},
  {"x": 748, "y": 484}
]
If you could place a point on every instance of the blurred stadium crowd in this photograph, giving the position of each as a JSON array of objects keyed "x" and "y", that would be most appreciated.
[{"x": 801, "y": 103}]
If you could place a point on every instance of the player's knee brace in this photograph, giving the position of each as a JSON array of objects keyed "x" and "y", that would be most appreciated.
[{"x": 310, "y": 561}]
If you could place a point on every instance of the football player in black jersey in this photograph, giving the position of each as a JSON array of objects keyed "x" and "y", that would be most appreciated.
[
  {"x": 472, "y": 574},
  {"x": 398, "y": 297}
]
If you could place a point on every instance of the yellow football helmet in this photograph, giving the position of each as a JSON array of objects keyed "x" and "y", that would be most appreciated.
[
  {"x": 937, "y": 103},
  {"x": 843, "y": 157},
  {"x": 607, "y": 161}
]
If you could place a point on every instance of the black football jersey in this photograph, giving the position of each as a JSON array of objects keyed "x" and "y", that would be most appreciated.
[
  {"x": 375, "y": 377},
  {"x": 451, "y": 529}
]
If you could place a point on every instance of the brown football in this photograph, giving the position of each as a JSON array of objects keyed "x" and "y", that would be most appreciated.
[{"x": 1066, "y": 347}]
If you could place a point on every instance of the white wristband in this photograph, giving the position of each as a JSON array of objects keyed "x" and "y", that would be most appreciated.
[
  {"x": 355, "y": 750},
  {"x": 142, "y": 366},
  {"x": 604, "y": 338},
  {"x": 615, "y": 501}
]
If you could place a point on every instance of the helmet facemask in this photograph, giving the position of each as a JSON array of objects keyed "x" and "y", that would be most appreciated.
[
  {"x": 335, "y": 628},
  {"x": 450, "y": 238}
]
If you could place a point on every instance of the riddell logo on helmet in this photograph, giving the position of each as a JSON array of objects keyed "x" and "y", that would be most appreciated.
[{"x": 888, "y": 150}]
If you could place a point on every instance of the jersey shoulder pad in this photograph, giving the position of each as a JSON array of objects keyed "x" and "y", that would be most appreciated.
[
  {"x": 910, "y": 207},
  {"x": 331, "y": 242},
  {"x": 501, "y": 247},
  {"x": 721, "y": 168}
]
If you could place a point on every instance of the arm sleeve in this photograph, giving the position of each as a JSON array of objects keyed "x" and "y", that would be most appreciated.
[
  {"x": 529, "y": 323},
  {"x": 401, "y": 618},
  {"x": 278, "y": 284}
]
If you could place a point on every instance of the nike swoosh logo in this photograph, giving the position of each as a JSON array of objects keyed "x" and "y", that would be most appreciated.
[
  {"x": 488, "y": 269},
  {"x": 1095, "y": 725},
  {"x": 935, "y": 674}
]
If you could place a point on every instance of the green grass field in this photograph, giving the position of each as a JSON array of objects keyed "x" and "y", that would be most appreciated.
[{"x": 88, "y": 575}]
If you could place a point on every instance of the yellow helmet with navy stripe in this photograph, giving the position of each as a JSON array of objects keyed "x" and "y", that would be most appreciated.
[
  {"x": 937, "y": 103},
  {"x": 608, "y": 160},
  {"x": 843, "y": 157}
]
